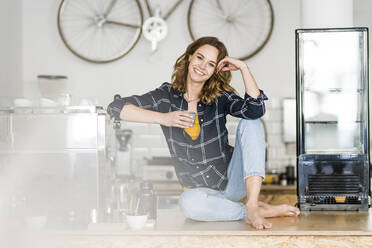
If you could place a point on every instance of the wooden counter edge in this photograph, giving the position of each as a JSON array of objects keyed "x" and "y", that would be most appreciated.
[{"x": 211, "y": 233}]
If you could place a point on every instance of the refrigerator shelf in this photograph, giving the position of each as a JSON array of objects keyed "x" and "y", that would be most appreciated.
[
  {"x": 334, "y": 90},
  {"x": 332, "y": 122},
  {"x": 344, "y": 151}
]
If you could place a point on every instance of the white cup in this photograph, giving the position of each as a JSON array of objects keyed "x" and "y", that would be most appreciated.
[
  {"x": 36, "y": 222},
  {"x": 136, "y": 221}
]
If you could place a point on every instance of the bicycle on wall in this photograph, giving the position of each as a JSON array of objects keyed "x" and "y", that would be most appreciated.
[{"x": 103, "y": 31}]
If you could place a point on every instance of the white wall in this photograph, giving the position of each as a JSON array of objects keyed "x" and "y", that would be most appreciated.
[
  {"x": 30, "y": 45},
  {"x": 10, "y": 49},
  {"x": 138, "y": 72},
  {"x": 327, "y": 14}
]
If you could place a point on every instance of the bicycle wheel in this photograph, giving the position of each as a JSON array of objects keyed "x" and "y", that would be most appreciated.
[
  {"x": 100, "y": 31},
  {"x": 243, "y": 26}
]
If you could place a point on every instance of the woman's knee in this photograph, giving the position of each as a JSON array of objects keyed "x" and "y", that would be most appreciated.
[
  {"x": 252, "y": 126},
  {"x": 250, "y": 123},
  {"x": 191, "y": 202}
]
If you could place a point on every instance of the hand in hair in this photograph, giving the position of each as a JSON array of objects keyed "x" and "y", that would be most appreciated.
[{"x": 230, "y": 64}]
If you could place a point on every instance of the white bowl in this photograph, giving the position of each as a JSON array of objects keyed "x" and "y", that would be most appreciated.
[
  {"x": 22, "y": 102},
  {"x": 45, "y": 102},
  {"x": 36, "y": 222},
  {"x": 136, "y": 221}
]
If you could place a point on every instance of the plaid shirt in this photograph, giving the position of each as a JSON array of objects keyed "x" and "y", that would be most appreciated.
[{"x": 202, "y": 162}]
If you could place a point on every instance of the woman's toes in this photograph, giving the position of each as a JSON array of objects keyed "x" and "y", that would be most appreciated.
[
  {"x": 295, "y": 213},
  {"x": 259, "y": 226},
  {"x": 263, "y": 204},
  {"x": 267, "y": 225},
  {"x": 295, "y": 210},
  {"x": 291, "y": 208}
]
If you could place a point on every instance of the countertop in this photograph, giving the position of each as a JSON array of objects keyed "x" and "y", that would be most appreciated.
[
  {"x": 172, "y": 222},
  {"x": 309, "y": 229}
]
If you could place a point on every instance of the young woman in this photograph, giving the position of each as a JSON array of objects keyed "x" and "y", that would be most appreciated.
[{"x": 216, "y": 174}]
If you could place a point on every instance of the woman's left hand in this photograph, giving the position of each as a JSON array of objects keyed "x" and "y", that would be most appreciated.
[{"x": 230, "y": 64}]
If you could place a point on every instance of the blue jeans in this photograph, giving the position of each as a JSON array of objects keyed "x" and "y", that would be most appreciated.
[{"x": 248, "y": 159}]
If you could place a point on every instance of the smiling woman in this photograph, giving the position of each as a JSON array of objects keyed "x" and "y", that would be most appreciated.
[
  {"x": 198, "y": 64},
  {"x": 216, "y": 174}
]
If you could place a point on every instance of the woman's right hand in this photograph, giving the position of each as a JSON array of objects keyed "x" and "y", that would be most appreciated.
[{"x": 177, "y": 119}]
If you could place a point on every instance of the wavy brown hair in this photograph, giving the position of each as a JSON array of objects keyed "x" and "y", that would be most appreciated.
[{"x": 216, "y": 84}]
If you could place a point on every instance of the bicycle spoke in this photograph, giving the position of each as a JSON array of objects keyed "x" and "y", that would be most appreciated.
[
  {"x": 123, "y": 24},
  {"x": 109, "y": 44},
  {"x": 125, "y": 14},
  {"x": 79, "y": 38},
  {"x": 206, "y": 8},
  {"x": 218, "y": 2},
  {"x": 241, "y": 6},
  {"x": 101, "y": 6},
  {"x": 79, "y": 9},
  {"x": 86, "y": 5},
  {"x": 210, "y": 18},
  {"x": 240, "y": 40},
  {"x": 109, "y": 8},
  {"x": 119, "y": 37},
  {"x": 247, "y": 10},
  {"x": 148, "y": 7},
  {"x": 208, "y": 22},
  {"x": 172, "y": 9}
]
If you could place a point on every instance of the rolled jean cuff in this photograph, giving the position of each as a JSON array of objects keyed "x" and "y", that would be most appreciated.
[{"x": 254, "y": 173}]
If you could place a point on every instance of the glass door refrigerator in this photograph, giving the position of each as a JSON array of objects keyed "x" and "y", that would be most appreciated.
[{"x": 332, "y": 119}]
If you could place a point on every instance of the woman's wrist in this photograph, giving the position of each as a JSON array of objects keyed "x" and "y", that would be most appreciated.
[
  {"x": 160, "y": 118},
  {"x": 244, "y": 67}
]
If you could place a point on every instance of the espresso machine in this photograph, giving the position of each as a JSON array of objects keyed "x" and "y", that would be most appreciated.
[
  {"x": 120, "y": 147},
  {"x": 123, "y": 159},
  {"x": 123, "y": 182},
  {"x": 332, "y": 119}
]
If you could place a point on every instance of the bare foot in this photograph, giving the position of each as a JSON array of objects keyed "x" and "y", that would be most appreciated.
[
  {"x": 268, "y": 210},
  {"x": 255, "y": 219}
]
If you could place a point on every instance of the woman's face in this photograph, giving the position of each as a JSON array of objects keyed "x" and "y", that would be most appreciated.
[{"x": 202, "y": 63}]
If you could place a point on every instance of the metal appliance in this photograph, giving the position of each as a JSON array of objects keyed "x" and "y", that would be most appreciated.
[
  {"x": 159, "y": 169},
  {"x": 123, "y": 158},
  {"x": 53, "y": 158},
  {"x": 332, "y": 119},
  {"x": 120, "y": 146},
  {"x": 122, "y": 179},
  {"x": 161, "y": 172}
]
